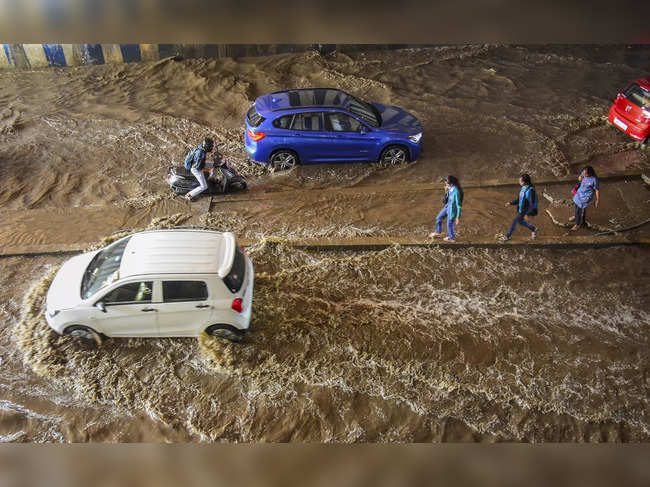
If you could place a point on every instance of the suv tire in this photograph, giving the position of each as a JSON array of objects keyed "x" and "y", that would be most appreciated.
[
  {"x": 84, "y": 333},
  {"x": 283, "y": 159},
  {"x": 394, "y": 155},
  {"x": 228, "y": 332}
]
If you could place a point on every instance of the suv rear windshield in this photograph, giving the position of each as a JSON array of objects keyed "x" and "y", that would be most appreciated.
[
  {"x": 103, "y": 269},
  {"x": 235, "y": 277},
  {"x": 254, "y": 118},
  {"x": 637, "y": 95}
]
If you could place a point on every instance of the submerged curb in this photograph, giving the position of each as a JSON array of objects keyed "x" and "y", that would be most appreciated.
[{"x": 379, "y": 243}]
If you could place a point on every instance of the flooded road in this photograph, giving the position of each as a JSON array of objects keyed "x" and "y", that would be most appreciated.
[
  {"x": 400, "y": 345},
  {"x": 403, "y": 344}
]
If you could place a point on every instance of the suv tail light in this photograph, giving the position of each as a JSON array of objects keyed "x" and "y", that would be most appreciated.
[
  {"x": 238, "y": 305},
  {"x": 256, "y": 136}
]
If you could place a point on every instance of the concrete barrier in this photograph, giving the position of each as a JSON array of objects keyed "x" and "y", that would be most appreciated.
[
  {"x": 367, "y": 243},
  {"x": 30, "y": 56}
]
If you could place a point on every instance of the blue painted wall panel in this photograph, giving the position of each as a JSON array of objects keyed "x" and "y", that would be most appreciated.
[
  {"x": 54, "y": 54},
  {"x": 10, "y": 56},
  {"x": 131, "y": 53},
  {"x": 166, "y": 50},
  {"x": 93, "y": 53}
]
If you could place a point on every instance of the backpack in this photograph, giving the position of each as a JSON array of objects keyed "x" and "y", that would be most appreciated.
[
  {"x": 533, "y": 211},
  {"x": 189, "y": 159}
]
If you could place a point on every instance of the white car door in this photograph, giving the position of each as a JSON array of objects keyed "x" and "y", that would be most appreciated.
[
  {"x": 129, "y": 311},
  {"x": 186, "y": 307}
]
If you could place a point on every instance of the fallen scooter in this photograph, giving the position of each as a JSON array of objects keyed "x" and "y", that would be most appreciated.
[{"x": 221, "y": 179}]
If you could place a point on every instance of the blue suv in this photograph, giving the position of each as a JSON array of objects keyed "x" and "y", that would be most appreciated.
[{"x": 328, "y": 125}]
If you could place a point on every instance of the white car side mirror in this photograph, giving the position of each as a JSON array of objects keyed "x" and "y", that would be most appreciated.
[{"x": 99, "y": 305}]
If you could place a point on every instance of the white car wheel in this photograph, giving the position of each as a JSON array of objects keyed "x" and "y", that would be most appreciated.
[
  {"x": 84, "y": 333},
  {"x": 226, "y": 331}
]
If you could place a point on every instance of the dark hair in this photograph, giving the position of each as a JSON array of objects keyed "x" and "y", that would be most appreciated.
[
  {"x": 453, "y": 181},
  {"x": 208, "y": 144},
  {"x": 590, "y": 171},
  {"x": 526, "y": 179}
]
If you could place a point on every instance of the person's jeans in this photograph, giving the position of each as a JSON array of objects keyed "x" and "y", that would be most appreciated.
[
  {"x": 451, "y": 224},
  {"x": 198, "y": 174},
  {"x": 580, "y": 215},
  {"x": 519, "y": 220}
]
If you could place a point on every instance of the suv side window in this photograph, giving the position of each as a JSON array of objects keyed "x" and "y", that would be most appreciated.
[
  {"x": 283, "y": 122},
  {"x": 308, "y": 121},
  {"x": 133, "y": 292},
  {"x": 340, "y": 122},
  {"x": 174, "y": 291}
]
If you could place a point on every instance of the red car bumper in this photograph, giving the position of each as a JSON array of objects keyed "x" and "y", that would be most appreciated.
[{"x": 636, "y": 130}]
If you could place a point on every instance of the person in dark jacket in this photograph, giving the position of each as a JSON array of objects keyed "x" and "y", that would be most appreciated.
[
  {"x": 526, "y": 207},
  {"x": 198, "y": 163},
  {"x": 453, "y": 200}
]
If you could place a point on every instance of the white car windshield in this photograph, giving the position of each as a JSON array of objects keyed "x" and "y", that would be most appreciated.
[{"x": 103, "y": 269}]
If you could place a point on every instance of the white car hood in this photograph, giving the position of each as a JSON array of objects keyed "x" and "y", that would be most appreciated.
[{"x": 65, "y": 290}]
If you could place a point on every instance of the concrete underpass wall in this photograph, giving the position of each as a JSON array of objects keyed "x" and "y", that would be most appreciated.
[{"x": 28, "y": 56}]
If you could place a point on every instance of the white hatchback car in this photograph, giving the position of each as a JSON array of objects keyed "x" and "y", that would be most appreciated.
[{"x": 161, "y": 283}]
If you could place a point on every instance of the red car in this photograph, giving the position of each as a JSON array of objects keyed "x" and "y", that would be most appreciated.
[{"x": 630, "y": 112}]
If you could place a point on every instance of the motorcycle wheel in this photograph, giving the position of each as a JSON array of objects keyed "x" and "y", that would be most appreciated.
[{"x": 237, "y": 186}]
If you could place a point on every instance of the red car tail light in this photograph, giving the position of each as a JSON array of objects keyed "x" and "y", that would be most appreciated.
[
  {"x": 256, "y": 136},
  {"x": 238, "y": 305}
]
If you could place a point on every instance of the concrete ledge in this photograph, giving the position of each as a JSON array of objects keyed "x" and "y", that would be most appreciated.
[
  {"x": 366, "y": 243},
  {"x": 494, "y": 183}
]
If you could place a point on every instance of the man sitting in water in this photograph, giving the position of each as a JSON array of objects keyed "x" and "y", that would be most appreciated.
[{"x": 198, "y": 163}]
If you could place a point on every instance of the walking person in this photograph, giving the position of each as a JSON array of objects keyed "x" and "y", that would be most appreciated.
[
  {"x": 197, "y": 163},
  {"x": 453, "y": 201},
  {"x": 584, "y": 194},
  {"x": 526, "y": 203}
]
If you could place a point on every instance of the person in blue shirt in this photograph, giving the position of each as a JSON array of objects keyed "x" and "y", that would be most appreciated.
[
  {"x": 453, "y": 200},
  {"x": 526, "y": 207},
  {"x": 587, "y": 189},
  {"x": 198, "y": 163}
]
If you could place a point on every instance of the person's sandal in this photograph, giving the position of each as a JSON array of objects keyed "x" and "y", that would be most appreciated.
[
  {"x": 503, "y": 238},
  {"x": 447, "y": 239},
  {"x": 435, "y": 235}
]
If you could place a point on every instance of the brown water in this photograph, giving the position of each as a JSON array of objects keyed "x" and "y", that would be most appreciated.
[{"x": 398, "y": 345}]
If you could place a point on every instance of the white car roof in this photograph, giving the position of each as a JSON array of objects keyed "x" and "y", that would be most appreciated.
[{"x": 178, "y": 252}]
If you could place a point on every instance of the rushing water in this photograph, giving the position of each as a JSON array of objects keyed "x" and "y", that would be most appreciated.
[{"x": 402, "y": 344}]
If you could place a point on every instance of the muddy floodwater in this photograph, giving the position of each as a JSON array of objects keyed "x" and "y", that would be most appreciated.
[{"x": 424, "y": 343}]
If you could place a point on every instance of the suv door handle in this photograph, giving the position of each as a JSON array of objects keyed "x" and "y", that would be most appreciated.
[
  {"x": 148, "y": 309},
  {"x": 202, "y": 306}
]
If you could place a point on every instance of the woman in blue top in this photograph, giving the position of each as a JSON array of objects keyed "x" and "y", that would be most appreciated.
[
  {"x": 453, "y": 200},
  {"x": 584, "y": 195},
  {"x": 526, "y": 203}
]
